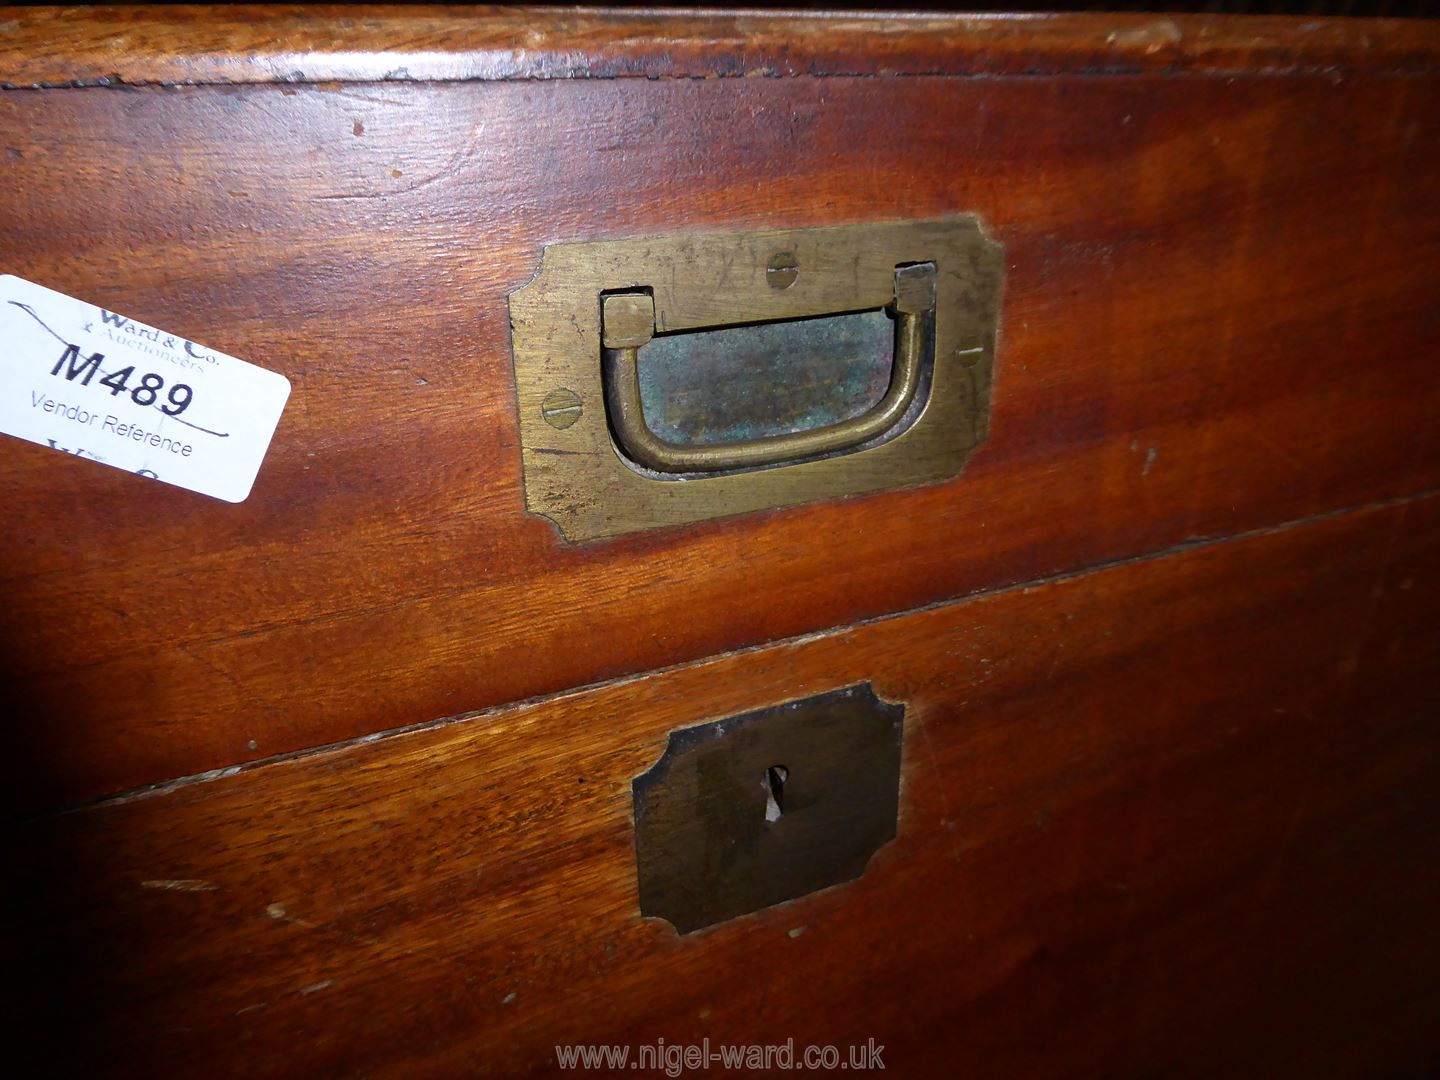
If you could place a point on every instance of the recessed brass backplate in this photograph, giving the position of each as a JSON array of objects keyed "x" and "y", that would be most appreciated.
[
  {"x": 577, "y": 477},
  {"x": 768, "y": 806}
]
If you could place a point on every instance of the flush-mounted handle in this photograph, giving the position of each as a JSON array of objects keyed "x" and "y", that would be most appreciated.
[
  {"x": 803, "y": 305},
  {"x": 629, "y": 323}
]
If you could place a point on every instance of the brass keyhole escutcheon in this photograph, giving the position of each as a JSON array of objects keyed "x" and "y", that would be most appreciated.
[{"x": 756, "y": 809}]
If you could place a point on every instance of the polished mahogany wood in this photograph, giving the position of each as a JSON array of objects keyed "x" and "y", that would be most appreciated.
[
  {"x": 1172, "y": 817},
  {"x": 1219, "y": 316},
  {"x": 330, "y": 43}
]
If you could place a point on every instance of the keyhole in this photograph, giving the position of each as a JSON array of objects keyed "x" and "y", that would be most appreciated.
[{"x": 774, "y": 784}]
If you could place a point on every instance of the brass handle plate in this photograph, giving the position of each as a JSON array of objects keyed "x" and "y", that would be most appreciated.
[
  {"x": 628, "y": 321},
  {"x": 577, "y": 328}
]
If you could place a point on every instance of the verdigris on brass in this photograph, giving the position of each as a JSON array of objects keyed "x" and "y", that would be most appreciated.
[{"x": 577, "y": 477}]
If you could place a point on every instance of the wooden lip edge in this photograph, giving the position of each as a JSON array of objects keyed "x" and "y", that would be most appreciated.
[
  {"x": 22, "y": 813},
  {"x": 197, "y": 45}
]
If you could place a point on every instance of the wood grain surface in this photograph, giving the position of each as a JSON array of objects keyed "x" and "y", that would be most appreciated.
[
  {"x": 1220, "y": 315},
  {"x": 1175, "y": 817},
  {"x": 241, "y": 43}
]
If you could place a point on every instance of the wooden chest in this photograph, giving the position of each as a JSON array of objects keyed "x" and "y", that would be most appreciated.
[{"x": 341, "y": 778}]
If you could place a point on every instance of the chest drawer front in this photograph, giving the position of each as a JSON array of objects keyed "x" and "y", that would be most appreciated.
[{"x": 1218, "y": 318}]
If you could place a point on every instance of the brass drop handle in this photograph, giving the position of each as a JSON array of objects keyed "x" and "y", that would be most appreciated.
[{"x": 628, "y": 323}]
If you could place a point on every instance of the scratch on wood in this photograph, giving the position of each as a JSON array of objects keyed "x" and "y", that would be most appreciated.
[
  {"x": 452, "y": 165},
  {"x": 180, "y": 885},
  {"x": 277, "y": 911},
  {"x": 1150, "y": 38}
]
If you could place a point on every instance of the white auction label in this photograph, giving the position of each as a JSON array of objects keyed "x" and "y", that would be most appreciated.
[{"x": 90, "y": 382}]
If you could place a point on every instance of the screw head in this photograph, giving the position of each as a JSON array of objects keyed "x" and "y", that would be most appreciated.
[
  {"x": 782, "y": 271},
  {"x": 969, "y": 357},
  {"x": 561, "y": 408}
]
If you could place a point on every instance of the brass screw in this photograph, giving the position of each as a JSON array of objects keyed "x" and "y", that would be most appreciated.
[
  {"x": 561, "y": 408},
  {"x": 782, "y": 271},
  {"x": 971, "y": 356}
]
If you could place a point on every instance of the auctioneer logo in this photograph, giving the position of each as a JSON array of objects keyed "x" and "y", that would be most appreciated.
[{"x": 178, "y": 350}]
